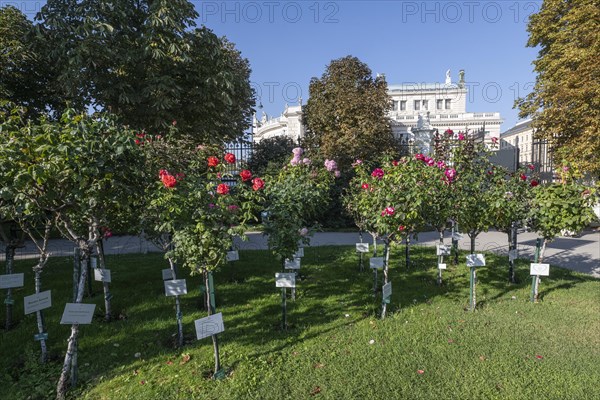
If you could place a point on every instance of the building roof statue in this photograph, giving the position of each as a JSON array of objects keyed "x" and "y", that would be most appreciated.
[{"x": 448, "y": 78}]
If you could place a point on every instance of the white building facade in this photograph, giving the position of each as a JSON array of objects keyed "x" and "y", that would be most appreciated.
[
  {"x": 519, "y": 137},
  {"x": 414, "y": 106}
]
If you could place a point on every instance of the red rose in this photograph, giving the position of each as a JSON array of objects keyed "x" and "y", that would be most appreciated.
[
  {"x": 222, "y": 189},
  {"x": 534, "y": 183},
  {"x": 179, "y": 176},
  {"x": 246, "y": 175},
  {"x": 365, "y": 186},
  {"x": 168, "y": 180},
  {"x": 401, "y": 228},
  {"x": 419, "y": 156},
  {"x": 230, "y": 158},
  {"x": 162, "y": 173},
  {"x": 449, "y": 132},
  {"x": 523, "y": 177},
  {"x": 257, "y": 184},
  {"x": 213, "y": 161},
  {"x": 395, "y": 163}
]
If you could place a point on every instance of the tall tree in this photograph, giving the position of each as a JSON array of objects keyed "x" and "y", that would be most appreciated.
[
  {"x": 565, "y": 102},
  {"x": 145, "y": 61},
  {"x": 346, "y": 114},
  {"x": 24, "y": 72}
]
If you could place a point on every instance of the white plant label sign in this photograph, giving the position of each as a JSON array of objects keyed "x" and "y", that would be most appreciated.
[
  {"x": 175, "y": 287},
  {"x": 443, "y": 250},
  {"x": 37, "y": 302},
  {"x": 475, "y": 260},
  {"x": 292, "y": 264},
  {"x": 102, "y": 275},
  {"x": 285, "y": 280},
  {"x": 11, "y": 281},
  {"x": 78, "y": 313},
  {"x": 441, "y": 266},
  {"x": 376, "y": 262},
  {"x": 299, "y": 253},
  {"x": 539, "y": 269},
  {"x": 362, "y": 247},
  {"x": 167, "y": 274},
  {"x": 233, "y": 255},
  {"x": 512, "y": 255},
  {"x": 387, "y": 290},
  {"x": 209, "y": 326}
]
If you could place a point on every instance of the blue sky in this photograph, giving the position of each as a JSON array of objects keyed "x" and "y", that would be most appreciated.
[{"x": 289, "y": 42}]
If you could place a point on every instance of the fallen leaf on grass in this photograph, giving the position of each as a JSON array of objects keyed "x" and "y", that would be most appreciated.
[
  {"x": 169, "y": 362},
  {"x": 185, "y": 358},
  {"x": 450, "y": 341},
  {"x": 315, "y": 391},
  {"x": 142, "y": 382},
  {"x": 482, "y": 358},
  {"x": 318, "y": 365},
  {"x": 420, "y": 371},
  {"x": 539, "y": 357}
]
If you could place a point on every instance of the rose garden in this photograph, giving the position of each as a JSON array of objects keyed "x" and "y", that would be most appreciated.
[
  {"x": 120, "y": 119},
  {"x": 84, "y": 177}
]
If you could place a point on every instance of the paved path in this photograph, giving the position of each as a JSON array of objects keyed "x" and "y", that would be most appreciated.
[{"x": 579, "y": 254}]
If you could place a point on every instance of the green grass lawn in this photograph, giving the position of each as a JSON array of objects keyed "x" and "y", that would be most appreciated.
[{"x": 428, "y": 348}]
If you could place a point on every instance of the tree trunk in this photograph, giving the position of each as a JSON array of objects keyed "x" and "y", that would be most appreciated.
[
  {"x": 407, "y": 251},
  {"x": 440, "y": 259},
  {"x": 473, "y": 280},
  {"x": 385, "y": 273},
  {"x": 536, "y": 286},
  {"x": 70, "y": 361},
  {"x": 211, "y": 311},
  {"x": 512, "y": 245},
  {"x": 40, "y": 316},
  {"x": 106, "y": 287},
  {"x": 177, "y": 307},
  {"x": 10, "y": 256}
]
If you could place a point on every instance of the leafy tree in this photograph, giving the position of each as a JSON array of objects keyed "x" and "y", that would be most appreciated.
[
  {"x": 25, "y": 73},
  {"x": 295, "y": 198},
  {"x": 346, "y": 114},
  {"x": 269, "y": 155},
  {"x": 145, "y": 62},
  {"x": 565, "y": 102},
  {"x": 387, "y": 201},
  {"x": 194, "y": 215},
  {"x": 510, "y": 204}
]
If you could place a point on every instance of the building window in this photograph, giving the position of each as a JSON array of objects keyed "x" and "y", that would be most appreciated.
[
  {"x": 447, "y": 104},
  {"x": 439, "y": 104},
  {"x": 402, "y": 105},
  {"x": 394, "y": 105},
  {"x": 417, "y": 105},
  {"x": 425, "y": 104}
]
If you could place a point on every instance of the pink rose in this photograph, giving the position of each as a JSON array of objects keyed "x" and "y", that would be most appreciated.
[
  {"x": 298, "y": 152},
  {"x": 419, "y": 156},
  {"x": 330, "y": 165},
  {"x": 461, "y": 136},
  {"x": 450, "y": 174},
  {"x": 306, "y": 161},
  {"x": 377, "y": 173}
]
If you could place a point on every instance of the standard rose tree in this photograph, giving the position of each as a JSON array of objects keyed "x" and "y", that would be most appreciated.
[
  {"x": 560, "y": 206},
  {"x": 386, "y": 201},
  {"x": 195, "y": 214},
  {"x": 294, "y": 200}
]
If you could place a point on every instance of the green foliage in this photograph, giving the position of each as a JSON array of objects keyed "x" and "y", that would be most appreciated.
[
  {"x": 269, "y": 155},
  {"x": 565, "y": 102},
  {"x": 294, "y": 199},
  {"x": 24, "y": 70},
  {"x": 82, "y": 170},
  {"x": 476, "y": 183},
  {"x": 387, "y": 201},
  {"x": 144, "y": 62},
  {"x": 558, "y": 206},
  {"x": 511, "y": 197},
  {"x": 346, "y": 114},
  {"x": 192, "y": 212}
]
